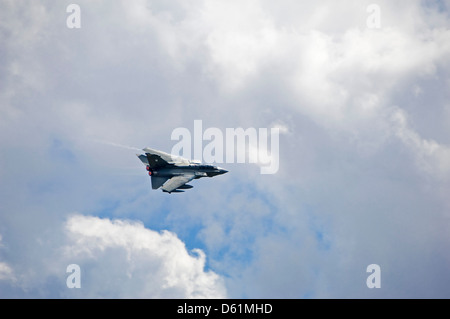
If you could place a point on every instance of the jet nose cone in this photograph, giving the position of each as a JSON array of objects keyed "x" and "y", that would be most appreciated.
[{"x": 222, "y": 171}]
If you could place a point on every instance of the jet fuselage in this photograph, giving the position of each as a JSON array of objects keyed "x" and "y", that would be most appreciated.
[{"x": 201, "y": 170}]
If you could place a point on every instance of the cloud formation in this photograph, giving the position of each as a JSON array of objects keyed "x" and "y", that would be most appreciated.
[
  {"x": 117, "y": 259},
  {"x": 146, "y": 264},
  {"x": 364, "y": 155}
]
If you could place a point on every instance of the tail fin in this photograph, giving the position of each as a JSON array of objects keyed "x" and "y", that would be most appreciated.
[{"x": 152, "y": 160}]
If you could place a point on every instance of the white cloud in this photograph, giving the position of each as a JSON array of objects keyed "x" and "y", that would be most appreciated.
[
  {"x": 117, "y": 259},
  {"x": 135, "y": 262},
  {"x": 6, "y": 272},
  {"x": 430, "y": 156},
  {"x": 241, "y": 37}
]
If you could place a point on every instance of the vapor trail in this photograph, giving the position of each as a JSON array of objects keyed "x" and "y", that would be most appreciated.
[{"x": 117, "y": 145}]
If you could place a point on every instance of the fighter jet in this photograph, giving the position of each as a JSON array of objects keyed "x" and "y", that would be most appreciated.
[{"x": 172, "y": 173}]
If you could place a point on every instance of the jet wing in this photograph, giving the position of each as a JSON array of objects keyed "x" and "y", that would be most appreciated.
[
  {"x": 158, "y": 181},
  {"x": 177, "y": 181},
  {"x": 163, "y": 156}
]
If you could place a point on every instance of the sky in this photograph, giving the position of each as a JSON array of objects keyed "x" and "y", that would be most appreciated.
[{"x": 359, "y": 90}]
